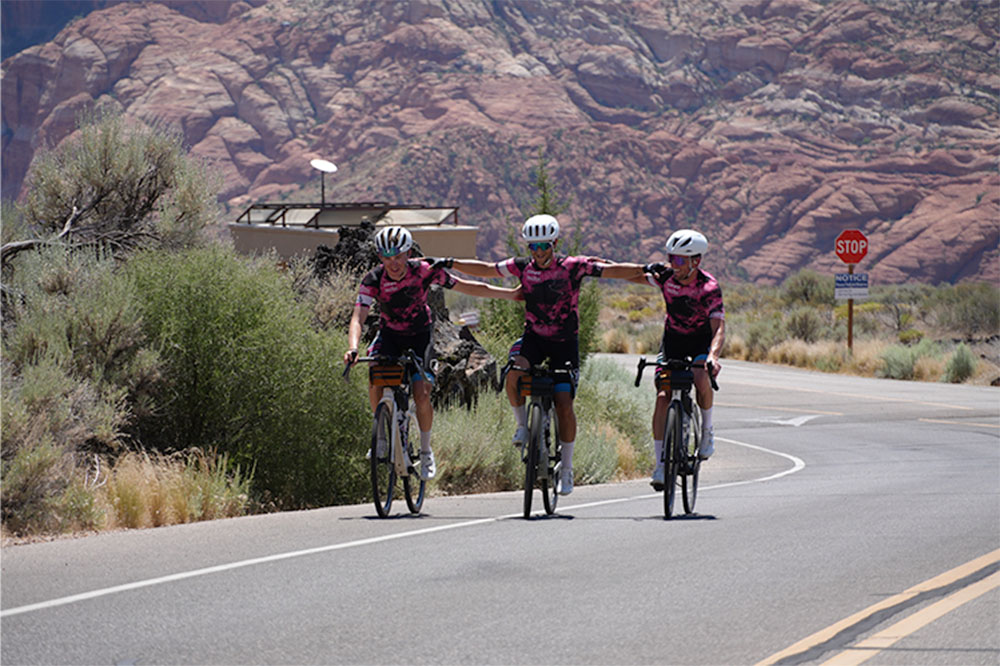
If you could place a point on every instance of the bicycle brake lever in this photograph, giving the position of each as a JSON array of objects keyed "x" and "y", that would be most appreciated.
[
  {"x": 711, "y": 377},
  {"x": 642, "y": 366}
]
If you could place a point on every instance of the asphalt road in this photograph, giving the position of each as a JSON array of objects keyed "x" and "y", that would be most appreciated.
[{"x": 841, "y": 518}]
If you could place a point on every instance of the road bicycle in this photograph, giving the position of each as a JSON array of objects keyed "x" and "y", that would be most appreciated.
[
  {"x": 393, "y": 454},
  {"x": 681, "y": 457},
  {"x": 542, "y": 455}
]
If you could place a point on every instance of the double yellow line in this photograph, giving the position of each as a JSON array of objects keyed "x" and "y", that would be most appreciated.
[{"x": 869, "y": 647}]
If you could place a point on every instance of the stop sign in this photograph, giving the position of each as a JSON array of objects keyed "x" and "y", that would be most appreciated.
[{"x": 851, "y": 246}]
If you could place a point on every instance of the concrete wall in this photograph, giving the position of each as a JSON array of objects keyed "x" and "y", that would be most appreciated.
[{"x": 438, "y": 241}]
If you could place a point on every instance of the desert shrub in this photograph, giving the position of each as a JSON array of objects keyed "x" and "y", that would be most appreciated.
[
  {"x": 615, "y": 341},
  {"x": 969, "y": 308},
  {"x": 150, "y": 490},
  {"x": 648, "y": 338},
  {"x": 910, "y": 336},
  {"x": 961, "y": 365},
  {"x": 247, "y": 375},
  {"x": 805, "y": 323},
  {"x": 808, "y": 288},
  {"x": 122, "y": 185},
  {"x": 901, "y": 362},
  {"x": 761, "y": 335}
]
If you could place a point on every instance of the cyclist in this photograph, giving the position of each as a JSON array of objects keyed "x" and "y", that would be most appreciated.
[
  {"x": 400, "y": 286},
  {"x": 551, "y": 290},
  {"x": 695, "y": 326}
]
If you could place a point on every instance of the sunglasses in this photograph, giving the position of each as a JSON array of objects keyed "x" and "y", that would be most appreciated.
[
  {"x": 388, "y": 254},
  {"x": 678, "y": 259},
  {"x": 536, "y": 247}
]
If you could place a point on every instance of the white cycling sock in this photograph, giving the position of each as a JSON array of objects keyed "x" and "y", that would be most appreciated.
[
  {"x": 657, "y": 450},
  {"x": 706, "y": 418},
  {"x": 425, "y": 441},
  {"x": 521, "y": 414},
  {"x": 567, "y": 453}
]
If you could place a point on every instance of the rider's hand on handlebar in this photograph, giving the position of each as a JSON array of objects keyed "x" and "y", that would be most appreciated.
[{"x": 350, "y": 357}]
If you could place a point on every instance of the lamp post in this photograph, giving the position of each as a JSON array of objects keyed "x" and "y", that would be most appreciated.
[{"x": 324, "y": 167}]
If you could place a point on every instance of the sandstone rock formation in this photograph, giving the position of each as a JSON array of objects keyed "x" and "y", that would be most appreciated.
[{"x": 771, "y": 125}]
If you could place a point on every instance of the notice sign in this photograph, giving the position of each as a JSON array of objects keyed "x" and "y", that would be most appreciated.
[{"x": 850, "y": 285}]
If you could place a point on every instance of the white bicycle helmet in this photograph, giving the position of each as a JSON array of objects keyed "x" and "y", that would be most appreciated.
[
  {"x": 540, "y": 228},
  {"x": 686, "y": 243},
  {"x": 391, "y": 241}
]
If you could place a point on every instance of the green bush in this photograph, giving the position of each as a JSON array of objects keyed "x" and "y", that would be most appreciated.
[
  {"x": 970, "y": 308},
  {"x": 808, "y": 288},
  {"x": 246, "y": 374},
  {"x": 761, "y": 335},
  {"x": 961, "y": 365},
  {"x": 897, "y": 362},
  {"x": 806, "y": 324}
]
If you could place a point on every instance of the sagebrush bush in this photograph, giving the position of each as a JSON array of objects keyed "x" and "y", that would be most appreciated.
[
  {"x": 245, "y": 373},
  {"x": 961, "y": 365}
]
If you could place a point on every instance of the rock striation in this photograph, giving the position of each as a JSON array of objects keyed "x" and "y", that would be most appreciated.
[{"x": 771, "y": 125}]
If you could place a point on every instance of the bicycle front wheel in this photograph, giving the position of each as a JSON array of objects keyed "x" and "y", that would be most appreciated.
[
  {"x": 413, "y": 483},
  {"x": 671, "y": 453},
  {"x": 690, "y": 477},
  {"x": 383, "y": 474},
  {"x": 531, "y": 454},
  {"x": 550, "y": 475}
]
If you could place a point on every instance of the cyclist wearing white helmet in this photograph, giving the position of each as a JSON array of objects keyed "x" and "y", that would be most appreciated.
[
  {"x": 400, "y": 286},
  {"x": 551, "y": 289},
  {"x": 695, "y": 326}
]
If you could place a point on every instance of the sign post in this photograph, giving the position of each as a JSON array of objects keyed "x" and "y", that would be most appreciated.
[{"x": 851, "y": 246}]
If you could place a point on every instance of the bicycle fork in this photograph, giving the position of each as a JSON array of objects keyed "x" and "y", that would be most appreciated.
[{"x": 399, "y": 418}]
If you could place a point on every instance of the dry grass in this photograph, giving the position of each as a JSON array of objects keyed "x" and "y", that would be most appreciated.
[{"x": 144, "y": 490}]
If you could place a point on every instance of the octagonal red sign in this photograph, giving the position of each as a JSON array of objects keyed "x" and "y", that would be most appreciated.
[{"x": 851, "y": 246}]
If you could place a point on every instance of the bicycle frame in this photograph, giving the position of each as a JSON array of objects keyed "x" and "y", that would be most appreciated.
[
  {"x": 682, "y": 423},
  {"x": 393, "y": 414},
  {"x": 538, "y": 386}
]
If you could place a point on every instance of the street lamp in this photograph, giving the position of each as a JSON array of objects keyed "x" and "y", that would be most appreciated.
[{"x": 324, "y": 167}]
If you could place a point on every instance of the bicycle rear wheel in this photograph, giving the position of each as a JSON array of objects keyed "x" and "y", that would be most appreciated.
[
  {"x": 671, "y": 449},
  {"x": 531, "y": 454},
  {"x": 383, "y": 474},
  {"x": 413, "y": 483},
  {"x": 553, "y": 467},
  {"x": 693, "y": 466}
]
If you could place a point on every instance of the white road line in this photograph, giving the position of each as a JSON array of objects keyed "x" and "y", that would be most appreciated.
[{"x": 798, "y": 464}]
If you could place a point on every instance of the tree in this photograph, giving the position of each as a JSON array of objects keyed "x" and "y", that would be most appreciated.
[{"x": 113, "y": 185}]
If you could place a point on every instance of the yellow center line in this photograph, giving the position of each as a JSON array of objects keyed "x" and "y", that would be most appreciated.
[
  {"x": 865, "y": 396},
  {"x": 965, "y": 423},
  {"x": 888, "y": 637},
  {"x": 941, "y": 580}
]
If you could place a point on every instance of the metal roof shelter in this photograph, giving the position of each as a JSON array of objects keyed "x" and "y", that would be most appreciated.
[{"x": 299, "y": 228}]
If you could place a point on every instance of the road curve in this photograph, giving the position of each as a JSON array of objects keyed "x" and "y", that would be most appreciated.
[{"x": 841, "y": 519}]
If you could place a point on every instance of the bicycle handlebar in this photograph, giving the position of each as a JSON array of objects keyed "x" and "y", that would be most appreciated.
[
  {"x": 675, "y": 364},
  {"x": 409, "y": 356}
]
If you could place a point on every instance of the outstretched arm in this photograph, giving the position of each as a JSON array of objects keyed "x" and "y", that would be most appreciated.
[
  {"x": 483, "y": 290},
  {"x": 630, "y": 272},
  {"x": 354, "y": 332},
  {"x": 472, "y": 267}
]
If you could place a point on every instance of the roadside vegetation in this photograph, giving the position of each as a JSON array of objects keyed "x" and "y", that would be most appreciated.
[{"x": 153, "y": 376}]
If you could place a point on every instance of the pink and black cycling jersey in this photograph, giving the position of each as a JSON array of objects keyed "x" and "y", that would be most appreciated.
[
  {"x": 691, "y": 307},
  {"x": 551, "y": 295},
  {"x": 403, "y": 302}
]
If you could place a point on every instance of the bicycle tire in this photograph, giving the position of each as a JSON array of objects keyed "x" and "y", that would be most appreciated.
[
  {"x": 531, "y": 455},
  {"x": 672, "y": 462},
  {"x": 550, "y": 480},
  {"x": 690, "y": 478},
  {"x": 414, "y": 485},
  {"x": 382, "y": 472}
]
